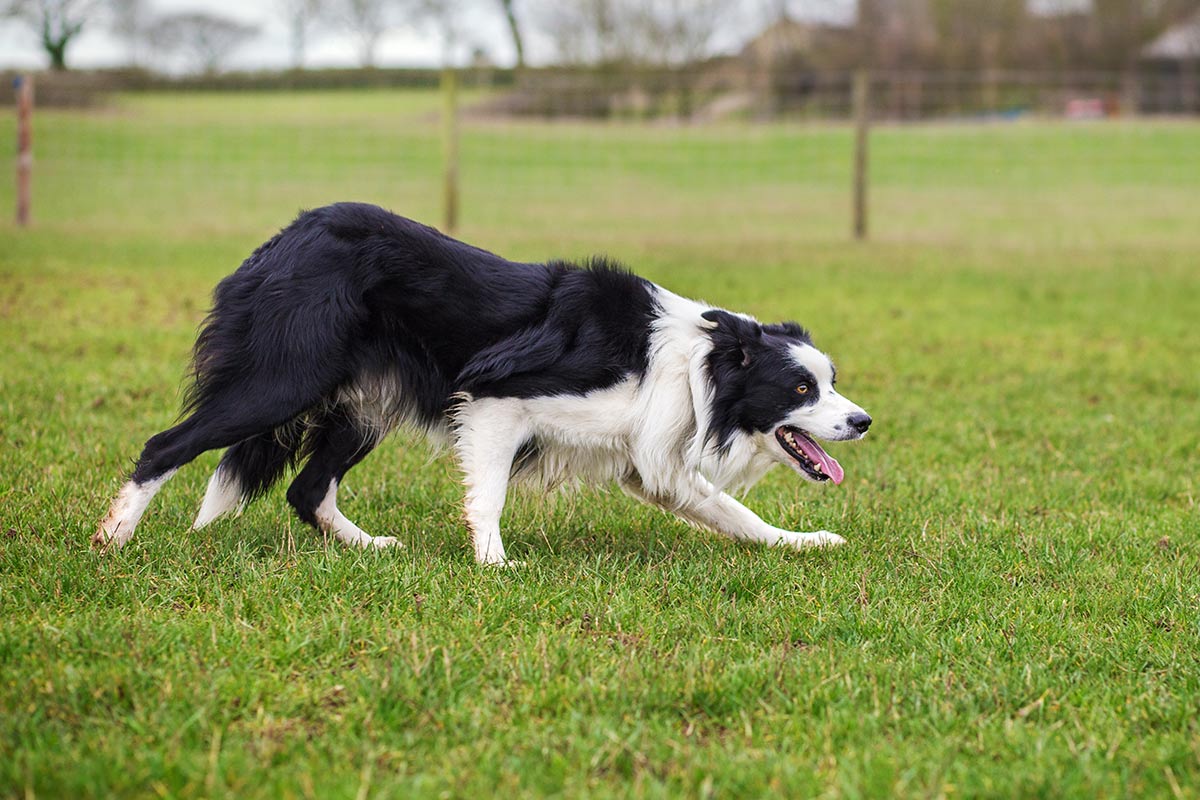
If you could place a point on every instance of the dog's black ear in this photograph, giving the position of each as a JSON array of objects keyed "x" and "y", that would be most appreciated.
[
  {"x": 790, "y": 330},
  {"x": 734, "y": 334}
]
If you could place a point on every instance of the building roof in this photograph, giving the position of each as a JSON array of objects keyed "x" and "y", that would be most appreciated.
[
  {"x": 781, "y": 37},
  {"x": 1178, "y": 43}
]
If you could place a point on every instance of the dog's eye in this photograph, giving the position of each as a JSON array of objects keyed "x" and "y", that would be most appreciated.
[{"x": 802, "y": 389}]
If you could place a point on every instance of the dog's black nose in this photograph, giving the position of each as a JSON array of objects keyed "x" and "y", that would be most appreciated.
[{"x": 859, "y": 421}]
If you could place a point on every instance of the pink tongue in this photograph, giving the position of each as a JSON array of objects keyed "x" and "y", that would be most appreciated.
[{"x": 829, "y": 464}]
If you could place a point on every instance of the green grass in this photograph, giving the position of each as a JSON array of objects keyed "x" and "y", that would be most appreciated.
[{"x": 1017, "y": 613}]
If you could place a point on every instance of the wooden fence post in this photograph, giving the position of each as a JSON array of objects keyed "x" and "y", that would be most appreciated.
[
  {"x": 862, "y": 126},
  {"x": 24, "y": 87},
  {"x": 449, "y": 149}
]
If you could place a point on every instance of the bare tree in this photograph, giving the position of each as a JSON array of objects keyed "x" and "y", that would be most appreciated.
[
  {"x": 368, "y": 20},
  {"x": 587, "y": 31},
  {"x": 451, "y": 21},
  {"x": 445, "y": 17},
  {"x": 1124, "y": 27},
  {"x": 645, "y": 32},
  {"x": 978, "y": 34},
  {"x": 900, "y": 33},
  {"x": 301, "y": 17},
  {"x": 56, "y": 22},
  {"x": 130, "y": 21},
  {"x": 514, "y": 29},
  {"x": 203, "y": 40},
  {"x": 674, "y": 32}
]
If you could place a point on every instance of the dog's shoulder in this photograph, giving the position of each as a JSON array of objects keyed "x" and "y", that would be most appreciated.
[{"x": 592, "y": 331}]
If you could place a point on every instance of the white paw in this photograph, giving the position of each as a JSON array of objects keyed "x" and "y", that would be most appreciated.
[
  {"x": 101, "y": 538},
  {"x": 108, "y": 535},
  {"x": 802, "y": 541},
  {"x": 827, "y": 539},
  {"x": 380, "y": 542}
]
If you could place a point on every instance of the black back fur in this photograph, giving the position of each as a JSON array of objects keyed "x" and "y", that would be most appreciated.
[{"x": 351, "y": 291}]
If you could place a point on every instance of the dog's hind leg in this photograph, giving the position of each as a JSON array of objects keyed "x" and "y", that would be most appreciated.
[
  {"x": 214, "y": 425},
  {"x": 223, "y": 495},
  {"x": 247, "y": 470},
  {"x": 337, "y": 445},
  {"x": 126, "y": 510},
  {"x": 162, "y": 456},
  {"x": 489, "y": 434}
]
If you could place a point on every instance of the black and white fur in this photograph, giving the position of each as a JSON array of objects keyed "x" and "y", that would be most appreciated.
[{"x": 353, "y": 321}]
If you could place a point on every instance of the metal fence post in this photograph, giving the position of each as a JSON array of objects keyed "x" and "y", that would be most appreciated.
[
  {"x": 24, "y": 88},
  {"x": 449, "y": 149},
  {"x": 862, "y": 125}
]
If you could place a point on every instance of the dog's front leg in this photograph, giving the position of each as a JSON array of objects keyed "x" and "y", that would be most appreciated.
[
  {"x": 489, "y": 433},
  {"x": 701, "y": 504},
  {"x": 724, "y": 514}
]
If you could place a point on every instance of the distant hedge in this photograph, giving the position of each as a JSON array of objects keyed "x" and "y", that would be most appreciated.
[{"x": 81, "y": 88}]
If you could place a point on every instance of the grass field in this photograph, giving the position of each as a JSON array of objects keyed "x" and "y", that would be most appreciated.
[{"x": 1017, "y": 613}]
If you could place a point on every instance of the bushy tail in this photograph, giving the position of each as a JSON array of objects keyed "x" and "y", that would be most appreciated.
[
  {"x": 255, "y": 464},
  {"x": 222, "y": 347},
  {"x": 248, "y": 469},
  {"x": 223, "y": 385}
]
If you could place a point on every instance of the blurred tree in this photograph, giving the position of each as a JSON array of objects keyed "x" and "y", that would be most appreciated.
[
  {"x": 203, "y": 40},
  {"x": 677, "y": 31},
  {"x": 649, "y": 32},
  {"x": 585, "y": 32},
  {"x": 448, "y": 20},
  {"x": 510, "y": 16},
  {"x": 368, "y": 21},
  {"x": 130, "y": 20},
  {"x": 1124, "y": 27},
  {"x": 895, "y": 33},
  {"x": 56, "y": 22},
  {"x": 454, "y": 22},
  {"x": 1060, "y": 35},
  {"x": 977, "y": 34},
  {"x": 301, "y": 17}
]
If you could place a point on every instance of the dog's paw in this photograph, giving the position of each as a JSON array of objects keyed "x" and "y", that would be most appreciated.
[
  {"x": 803, "y": 541},
  {"x": 382, "y": 542},
  {"x": 106, "y": 537},
  {"x": 100, "y": 539},
  {"x": 503, "y": 563}
]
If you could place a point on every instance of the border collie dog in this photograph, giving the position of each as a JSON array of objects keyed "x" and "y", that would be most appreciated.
[{"x": 353, "y": 321}]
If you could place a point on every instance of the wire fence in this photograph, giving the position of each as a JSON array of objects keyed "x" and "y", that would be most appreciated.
[
  {"x": 732, "y": 89},
  {"x": 630, "y": 160}
]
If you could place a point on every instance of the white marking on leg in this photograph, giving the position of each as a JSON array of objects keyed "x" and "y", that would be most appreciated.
[
  {"x": 330, "y": 520},
  {"x": 126, "y": 510},
  {"x": 224, "y": 494},
  {"x": 489, "y": 433},
  {"x": 724, "y": 514},
  {"x": 714, "y": 510},
  {"x": 799, "y": 540},
  {"x": 484, "y": 505}
]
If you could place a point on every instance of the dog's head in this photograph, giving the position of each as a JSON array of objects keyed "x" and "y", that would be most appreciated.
[{"x": 772, "y": 386}]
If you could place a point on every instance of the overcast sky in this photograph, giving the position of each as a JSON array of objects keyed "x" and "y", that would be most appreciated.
[
  {"x": 96, "y": 48},
  {"x": 401, "y": 47}
]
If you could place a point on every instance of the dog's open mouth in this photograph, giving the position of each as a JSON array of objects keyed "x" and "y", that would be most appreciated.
[{"x": 812, "y": 460}]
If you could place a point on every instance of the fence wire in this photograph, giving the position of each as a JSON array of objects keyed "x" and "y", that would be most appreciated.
[{"x": 597, "y": 161}]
